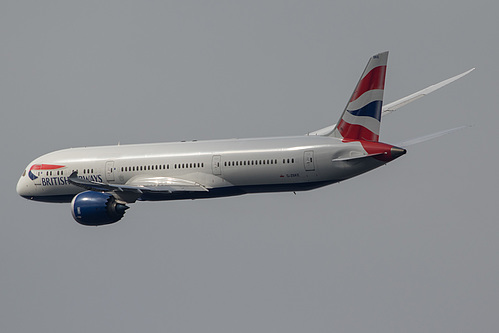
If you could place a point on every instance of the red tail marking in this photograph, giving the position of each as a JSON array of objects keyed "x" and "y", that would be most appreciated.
[{"x": 375, "y": 79}]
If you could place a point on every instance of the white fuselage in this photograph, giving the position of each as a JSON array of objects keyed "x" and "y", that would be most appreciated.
[
  {"x": 224, "y": 167},
  {"x": 100, "y": 181}
]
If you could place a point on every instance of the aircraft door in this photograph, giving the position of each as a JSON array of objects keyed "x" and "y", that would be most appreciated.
[
  {"x": 38, "y": 179},
  {"x": 216, "y": 164},
  {"x": 110, "y": 171},
  {"x": 308, "y": 159}
]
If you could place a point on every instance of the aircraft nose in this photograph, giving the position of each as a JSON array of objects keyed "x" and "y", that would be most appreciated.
[{"x": 22, "y": 187}]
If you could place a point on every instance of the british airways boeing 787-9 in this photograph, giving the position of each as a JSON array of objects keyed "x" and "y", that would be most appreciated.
[{"x": 99, "y": 182}]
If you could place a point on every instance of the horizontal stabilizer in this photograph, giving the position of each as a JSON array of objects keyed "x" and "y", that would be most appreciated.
[{"x": 354, "y": 158}]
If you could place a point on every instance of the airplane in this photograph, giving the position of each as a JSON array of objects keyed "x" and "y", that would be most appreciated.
[{"x": 99, "y": 182}]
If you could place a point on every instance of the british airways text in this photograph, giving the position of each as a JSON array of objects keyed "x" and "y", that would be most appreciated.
[{"x": 58, "y": 181}]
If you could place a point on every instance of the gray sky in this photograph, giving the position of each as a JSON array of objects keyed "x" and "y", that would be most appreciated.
[{"x": 410, "y": 247}]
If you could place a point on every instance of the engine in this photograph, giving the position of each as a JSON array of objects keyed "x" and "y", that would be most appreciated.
[{"x": 96, "y": 208}]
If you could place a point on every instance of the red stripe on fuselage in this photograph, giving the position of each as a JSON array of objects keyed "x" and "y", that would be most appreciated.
[
  {"x": 375, "y": 79},
  {"x": 46, "y": 167}
]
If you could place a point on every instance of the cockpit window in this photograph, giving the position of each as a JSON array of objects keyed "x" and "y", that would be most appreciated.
[{"x": 24, "y": 173}]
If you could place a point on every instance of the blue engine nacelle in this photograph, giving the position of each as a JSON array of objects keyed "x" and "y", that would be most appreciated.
[{"x": 96, "y": 208}]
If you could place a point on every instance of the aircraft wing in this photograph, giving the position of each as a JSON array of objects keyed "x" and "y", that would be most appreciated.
[
  {"x": 138, "y": 185},
  {"x": 389, "y": 108}
]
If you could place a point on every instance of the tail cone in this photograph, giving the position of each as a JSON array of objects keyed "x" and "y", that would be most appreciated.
[{"x": 396, "y": 152}]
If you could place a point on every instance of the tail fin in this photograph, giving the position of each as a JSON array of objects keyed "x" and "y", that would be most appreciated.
[{"x": 361, "y": 118}]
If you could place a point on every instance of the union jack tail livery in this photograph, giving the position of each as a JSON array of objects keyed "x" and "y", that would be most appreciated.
[{"x": 361, "y": 118}]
